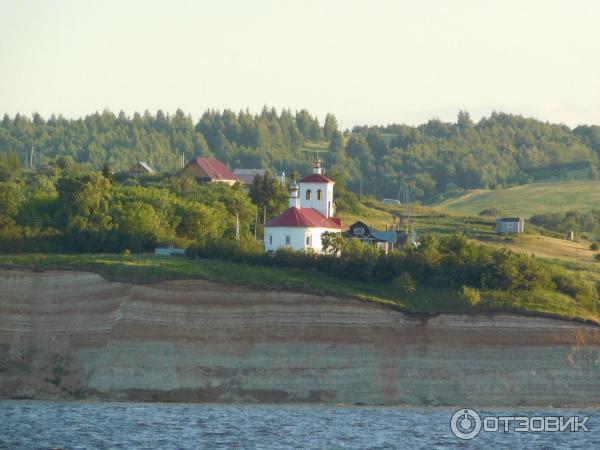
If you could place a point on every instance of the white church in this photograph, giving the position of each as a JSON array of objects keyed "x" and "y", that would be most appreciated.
[{"x": 310, "y": 215}]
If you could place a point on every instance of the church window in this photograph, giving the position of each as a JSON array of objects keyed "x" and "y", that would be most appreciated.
[
  {"x": 319, "y": 194},
  {"x": 308, "y": 241},
  {"x": 288, "y": 240},
  {"x": 308, "y": 194}
]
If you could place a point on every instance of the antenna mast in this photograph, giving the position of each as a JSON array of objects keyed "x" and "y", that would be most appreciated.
[
  {"x": 32, "y": 155},
  {"x": 405, "y": 188}
]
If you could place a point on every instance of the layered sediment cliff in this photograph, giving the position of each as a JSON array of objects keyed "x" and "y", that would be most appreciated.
[{"x": 77, "y": 335}]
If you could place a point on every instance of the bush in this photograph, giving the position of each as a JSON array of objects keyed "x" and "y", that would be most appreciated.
[
  {"x": 446, "y": 262},
  {"x": 594, "y": 246},
  {"x": 597, "y": 257},
  {"x": 494, "y": 212},
  {"x": 470, "y": 295},
  {"x": 405, "y": 283}
]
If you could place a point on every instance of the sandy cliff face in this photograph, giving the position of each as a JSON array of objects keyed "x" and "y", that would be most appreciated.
[{"x": 77, "y": 335}]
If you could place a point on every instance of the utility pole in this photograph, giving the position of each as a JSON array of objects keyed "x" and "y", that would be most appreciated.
[
  {"x": 256, "y": 226},
  {"x": 405, "y": 183},
  {"x": 31, "y": 155},
  {"x": 237, "y": 226}
]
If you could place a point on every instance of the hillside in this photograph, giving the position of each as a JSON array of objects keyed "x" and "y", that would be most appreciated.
[
  {"x": 500, "y": 150},
  {"x": 527, "y": 200},
  {"x": 542, "y": 243}
]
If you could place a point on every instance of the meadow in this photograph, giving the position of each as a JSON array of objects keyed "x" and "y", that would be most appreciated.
[{"x": 527, "y": 200}]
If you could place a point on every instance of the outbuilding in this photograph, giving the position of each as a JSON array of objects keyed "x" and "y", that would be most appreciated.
[{"x": 510, "y": 225}]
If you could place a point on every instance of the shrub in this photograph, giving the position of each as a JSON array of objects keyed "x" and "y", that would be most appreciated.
[
  {"x": 470, "y": 295},
  {"x": 594, "y": 246},
  {"x": 405, "y": 283},
  {"x": 597, "y": 257},
  {"x": 495, "y": 212}
]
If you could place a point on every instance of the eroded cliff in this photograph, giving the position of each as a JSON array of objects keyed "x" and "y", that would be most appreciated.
[{"x": 77, "y": 335}]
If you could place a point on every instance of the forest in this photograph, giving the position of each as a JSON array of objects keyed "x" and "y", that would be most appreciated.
[
  {"x": 68, "y": 208},
  {"x": 441, "y": 157}
]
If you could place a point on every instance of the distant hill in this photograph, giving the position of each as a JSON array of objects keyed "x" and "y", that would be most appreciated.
[
  {"x": 528, "y": 200},
  {"x": 498, "y": 151}
]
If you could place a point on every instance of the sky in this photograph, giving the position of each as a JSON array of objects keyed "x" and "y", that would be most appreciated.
[{"x": 368, "y": 62}]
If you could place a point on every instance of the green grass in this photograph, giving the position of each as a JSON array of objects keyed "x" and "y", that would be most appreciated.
[
  {"x": 426, "y": 300},
  {"x": 426, "y": 220},
  {"x": 528, "y": 200}
]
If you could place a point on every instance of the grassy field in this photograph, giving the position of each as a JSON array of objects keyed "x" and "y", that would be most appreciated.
[
  {"x": 544, "y": 247},
  {"x": 527, "y": 200},
  {"x": 426, "y": 300},
  {"x": 542, "y": 243}
]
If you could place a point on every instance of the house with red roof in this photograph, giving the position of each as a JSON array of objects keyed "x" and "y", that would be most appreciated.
[
  {"x": 311, "y": 213},
  {"x": 208, "y": 170}
]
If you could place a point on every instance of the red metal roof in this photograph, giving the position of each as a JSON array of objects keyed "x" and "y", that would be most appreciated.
[
  {"x": 316, "y": 178},
  {"x": 304, "y": 218},
  {"x": 215, "y": 169}
]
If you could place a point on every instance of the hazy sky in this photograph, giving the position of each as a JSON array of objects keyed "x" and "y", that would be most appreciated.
[{"x": 366, "y": 61}]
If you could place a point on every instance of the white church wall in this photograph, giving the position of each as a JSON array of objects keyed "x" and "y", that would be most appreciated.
[
  {"x": 325, "y": 204},
  {"x": 295, "y": 238}
]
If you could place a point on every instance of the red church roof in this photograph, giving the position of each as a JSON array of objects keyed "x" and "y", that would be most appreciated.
[
  {"x": 215, "y": 169},
  {"x": 304, "y": 218},
  {"x": 316, "y": 178}
]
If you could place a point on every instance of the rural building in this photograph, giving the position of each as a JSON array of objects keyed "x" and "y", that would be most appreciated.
[
  {"x": 309, "y": 216},
  {"x": 247, "y": 176},
  {"x": 384, "y": 240},
  {"x": 507, "y": 225},
  {"x": 141, "y": 168},
  {"x": 208, "y": 170},
  {"x": 168, "y": 249}
]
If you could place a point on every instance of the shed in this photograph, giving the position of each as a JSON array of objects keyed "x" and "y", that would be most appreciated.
[{"x": 508, "y": 225}]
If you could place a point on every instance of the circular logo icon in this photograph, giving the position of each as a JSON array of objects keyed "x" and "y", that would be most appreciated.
[{"x": 465, "y": 424}]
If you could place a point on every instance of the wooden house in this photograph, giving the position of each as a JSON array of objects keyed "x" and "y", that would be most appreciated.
[
  {"x": 208, "y": 170},
  {"x": 384, "y": 240},
  {"x": 141, "y": 168}
]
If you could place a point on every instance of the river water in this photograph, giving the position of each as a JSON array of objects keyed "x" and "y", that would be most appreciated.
[{"x": 92, "y": 425}]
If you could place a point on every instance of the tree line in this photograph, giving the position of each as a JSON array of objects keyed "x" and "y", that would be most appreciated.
[
  {"x": 441, "y": 157},
  {"x": 68, "y": 208}
]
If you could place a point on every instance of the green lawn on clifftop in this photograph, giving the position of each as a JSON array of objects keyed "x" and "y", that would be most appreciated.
[{"x": 426, "y": 300}]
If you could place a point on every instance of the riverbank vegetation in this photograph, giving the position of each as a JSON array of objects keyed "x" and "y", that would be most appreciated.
[{"x": 425, "y": 300}]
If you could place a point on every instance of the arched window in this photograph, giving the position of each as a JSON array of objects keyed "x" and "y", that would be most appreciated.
[
  {"x": 319, "y": 194},
  {"x": 308, "y": 194}
]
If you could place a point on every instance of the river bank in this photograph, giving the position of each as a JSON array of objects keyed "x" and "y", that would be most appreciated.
[{"x": 76, "y": 335}]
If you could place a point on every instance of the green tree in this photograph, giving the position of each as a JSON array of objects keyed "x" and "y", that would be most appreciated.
[
  {"x": 268, "y": 194},
  {"x": 11, "y": 197},
  {"x": 85, "y": 203},
  {"x": 330, "y": 126}
]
